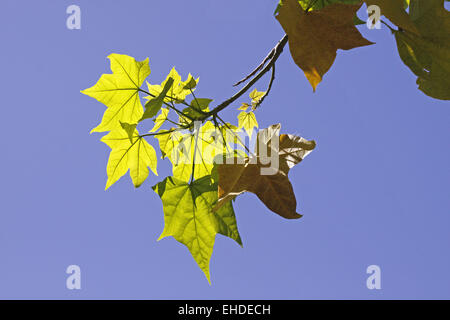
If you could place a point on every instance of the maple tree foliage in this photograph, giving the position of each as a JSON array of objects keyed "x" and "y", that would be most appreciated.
[{"x": 212, "y": 162}]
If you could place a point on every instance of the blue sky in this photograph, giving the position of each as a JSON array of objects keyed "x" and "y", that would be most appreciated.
[{"x": 375, "y": 191}]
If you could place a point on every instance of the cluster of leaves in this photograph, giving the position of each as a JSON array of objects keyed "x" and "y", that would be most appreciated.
[
  {"x": 211, "y": 163},
  {"x": 317, "y": 28}
]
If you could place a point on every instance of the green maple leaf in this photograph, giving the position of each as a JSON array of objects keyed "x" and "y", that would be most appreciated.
[
  {"x": 168, "y": 141},
  {"x": 256, "y": 97},
  {"x": 428, "y": 54},
  {"x": 196, "y": 110},
  {"x": 247, "y": 120},
  {"x": 160, "y": 119},
  {"x": 155, "y": 104},
  {"x": 129, "y": 151},
  {"x": 189, "y": 218},
  {"x": 199, "y": 146},
  {"x": 179, "y": 89},
  {"x": 119, "y": 91}
]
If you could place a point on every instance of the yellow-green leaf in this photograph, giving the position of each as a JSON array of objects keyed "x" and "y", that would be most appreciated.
[
  {"x": 119, "y": 91},
  {"x": 160, "y": 119},
  {"x": 244, "y": 106},
  {"x": 189, "y": 218},
  {"x": 197, "y": 109},
  {"x": 247, "y": 120},
  {"x": 154, "y": 105},
  {"x": 256, "y": 96},
  {"x": 178, "y": 91},
  {"x": 193, "y": 147},
  {"x": 133, "y": 153},
  {"x": 168, "y": 141}
]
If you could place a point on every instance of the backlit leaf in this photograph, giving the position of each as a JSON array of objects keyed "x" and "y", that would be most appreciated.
[
  {"x": 155, "y": 104},
  {"x": 196, "y": 110},
  {"x": 178, "y": 91},
  {"x": 189, "y": 218},
  {"x": 256, "y": 96},
  {"x": 133, "y": 153},
  {"x": 160, "y": 119},
  {"x": 119, "y": 91},
  {"x": 186, "y": 147},
  {"x": 244, "y": 106},
  {"x": 247, "y": 120},
  {"x": 272, "y": 186}
]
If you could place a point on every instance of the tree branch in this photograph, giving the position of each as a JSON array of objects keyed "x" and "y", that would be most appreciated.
[
  {"x": 277, "y": 51},
  {"x": 258, "y": 68}
]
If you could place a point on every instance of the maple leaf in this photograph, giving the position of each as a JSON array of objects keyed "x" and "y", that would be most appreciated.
[
  {"x": 247, "y": 120},
  {"x": 119, "y": 91},
  {"x": 273, "y": 188},
  {"x": 244, "y": 106},
  {"x": 168, "y": 140},
  {"x": 315, "y": 36},
  {"x": 197, "y": 109},
  {"x": 179, "y": 90},
  {"x": 155, "y": 104},
  {"x": 189, "y": 218},
  {"x": 256, "y": 97},
  {"x": 428, "y": 54},
  {"x": 199, "y": 146},
  {"x": 160, "y": 119},
  {"x": 129, "y": 151}
]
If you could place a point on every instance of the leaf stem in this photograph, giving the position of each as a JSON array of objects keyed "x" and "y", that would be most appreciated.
[
  {"x": 197, "y": 132},
  {"x": 157, "y": 133},
  {"x": 228, "y": 127},
  {"x": 198, "y": 104},
  {"x": 272, "y": 78}
]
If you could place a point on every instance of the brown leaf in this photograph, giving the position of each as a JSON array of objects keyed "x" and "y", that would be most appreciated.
[
  {"x": 293, "y": 149},
  {"x": 274, "y": 190},
  {"x": 314, "y": 37}
]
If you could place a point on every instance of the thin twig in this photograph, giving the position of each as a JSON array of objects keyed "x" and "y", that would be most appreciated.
[
  {"x": 198, "y": 104},
  {"x": 387, "y": 25},
  {"x": 224, "y": 141},
  {"x": 258, "y": 68},
  {"x": 158, "y": 133},
  {"x": 272, "y": 78},
  {"x": 197, "y": 132},
  {"x": 278, "y": 50}
]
